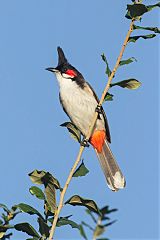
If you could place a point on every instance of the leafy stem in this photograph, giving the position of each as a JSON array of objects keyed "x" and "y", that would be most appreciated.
[{"x": 60, "y": 206}]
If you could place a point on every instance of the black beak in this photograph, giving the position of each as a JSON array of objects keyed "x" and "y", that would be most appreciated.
[{"x": 50, "y": 69}]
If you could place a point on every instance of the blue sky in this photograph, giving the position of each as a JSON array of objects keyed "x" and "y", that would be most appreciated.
[{"x": 31, "y": 114}]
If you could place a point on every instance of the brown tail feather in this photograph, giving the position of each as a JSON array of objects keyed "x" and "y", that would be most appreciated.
[{"x": 112, "y": 172}]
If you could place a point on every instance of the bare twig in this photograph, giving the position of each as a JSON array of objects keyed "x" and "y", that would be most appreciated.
[{"x": 91, "y": 128}]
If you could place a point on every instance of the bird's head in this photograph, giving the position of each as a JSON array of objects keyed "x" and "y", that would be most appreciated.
[{"x": 64, "y": 68}]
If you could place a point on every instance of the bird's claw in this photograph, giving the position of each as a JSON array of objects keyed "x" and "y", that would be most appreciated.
[
  {"x": 98, "y": 109},
  {"x": 84, "y": 142}
]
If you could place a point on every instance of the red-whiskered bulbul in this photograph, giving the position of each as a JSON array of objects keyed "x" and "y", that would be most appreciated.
[{"x": 79, "y": 101}]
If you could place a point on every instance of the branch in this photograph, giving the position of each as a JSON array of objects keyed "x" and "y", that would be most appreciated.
[{"x": 91, "y": 128}]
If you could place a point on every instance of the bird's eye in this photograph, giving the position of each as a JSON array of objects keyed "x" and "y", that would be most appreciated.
[{"x": 64, "y": 69}]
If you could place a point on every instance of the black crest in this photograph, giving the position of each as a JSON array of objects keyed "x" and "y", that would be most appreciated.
[{"x": 61, "y": 57}]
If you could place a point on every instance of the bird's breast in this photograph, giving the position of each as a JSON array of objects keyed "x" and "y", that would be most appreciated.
[{"x": 79, "y": 104}]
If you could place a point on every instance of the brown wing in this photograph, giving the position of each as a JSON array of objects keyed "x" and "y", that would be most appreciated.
[{"x": 103, "y": 113}]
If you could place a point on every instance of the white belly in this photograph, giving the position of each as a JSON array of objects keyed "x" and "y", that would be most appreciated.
[{"x": 80, "y": 105}]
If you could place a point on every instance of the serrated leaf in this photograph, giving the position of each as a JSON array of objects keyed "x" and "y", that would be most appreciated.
[
  {"x": 150, "y": 7},
  {"x": 108, "y": 97},
  {"x": 135, "y": 38},
  {"x": 27, "y": 228},
  {"x": 82, "y": 232},
  {"x": 127, "y": 61},
  {"x": 129, "y": 83},
  {"x": 154, "y": 29},
  {"x": 99, "y": 230},
  {"x": 135, "y": 10},
  {"x": 79, "y": 201},
  {"x": 28, "y": 209},
  {"x": 81, "y": 171},
  {"x": 108, "y": 71},
  {"x": 74, "y": 131},
  {"x": 43, "y": 228},
  {"x": 37, "y": 176},
  {"x": 37, "y": 192}
]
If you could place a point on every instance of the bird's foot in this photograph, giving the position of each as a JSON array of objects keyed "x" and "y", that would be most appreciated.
[
  {"x": 98, "y": 109},
  {"x": 84, "y": 142}
]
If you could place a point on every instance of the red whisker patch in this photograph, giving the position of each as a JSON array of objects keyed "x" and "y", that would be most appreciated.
[{"x": 71, "y": 73}]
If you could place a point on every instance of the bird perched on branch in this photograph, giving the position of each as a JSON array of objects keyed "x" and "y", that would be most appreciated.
[{"x": 80, "y": 102}]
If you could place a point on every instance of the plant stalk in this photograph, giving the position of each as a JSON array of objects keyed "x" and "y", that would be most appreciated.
[{"x": 91, "y": 128}]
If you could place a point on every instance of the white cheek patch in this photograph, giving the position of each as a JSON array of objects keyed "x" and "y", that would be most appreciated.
[{"x": 67, "y": 76}]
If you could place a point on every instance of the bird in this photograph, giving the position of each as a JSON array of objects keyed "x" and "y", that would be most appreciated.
[{"x": 79, "y": 101}]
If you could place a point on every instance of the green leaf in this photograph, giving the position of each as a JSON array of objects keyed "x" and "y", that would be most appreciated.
[
  {"x": 87, "y": 225},
  {"x": 91, "y": 215},
  {"x": 5, "y": 208},
  {"x": 4, "y": 228},
  {"x": 99, "y": 230},
  {"x": 37, "y": 192},
  {"x": 74, "y": 131},
  {"x": 43, "y": 228},
  {"x": 50, "y": 184},
  {"x": 154, "y": 29},
  {"x": 51, "y": 195},
  {"x": 82, "y": 232},
  {"x": 28, "y": 209},
  {"x": 127, "y": 61},
  {"x": 79, "y": 201},
  {"x": 102, "y": 238},
  {"x": 150, "y": 7},
  {"x": 108, "y": 97},
  {"x": 48, "y": 210},
  {"x": 110, "y": 223},
  {"x": 135, "y": 38},
  {"x": 48, "y": 178},
  {"x": 108, "y": 71},
  {"x": 81, "y": 171},
  {"x": 135, "y": 10},
  {"x": 27, "y": 228},
  {"x": 37, "y": 176},
  {"x": 62, "y": 221},
  {"x": 34, "y": 238},
  {"x": 2, "y": 234},
  {"x": 129, "y": 83},
  {"x": 105, "y": 211},
  {"x": 6, "y": 236}
]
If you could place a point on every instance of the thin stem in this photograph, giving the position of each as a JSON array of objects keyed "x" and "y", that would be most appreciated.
[
  {"x": 99, "y": 221},
  {"x": 64, "y": 191},
  {"x": 89, "y": 133}
]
